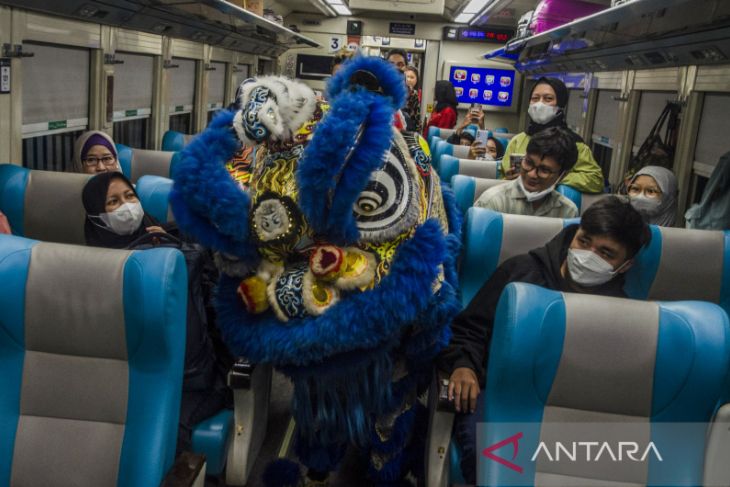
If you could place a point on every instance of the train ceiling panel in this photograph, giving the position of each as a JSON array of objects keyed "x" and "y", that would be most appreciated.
[{"x": 214, "y": 22}]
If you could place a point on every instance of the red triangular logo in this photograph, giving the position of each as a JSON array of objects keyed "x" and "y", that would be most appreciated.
[{"x": 514, "y": 441}]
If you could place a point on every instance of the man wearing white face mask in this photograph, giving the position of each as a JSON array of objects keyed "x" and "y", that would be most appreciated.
[
  {"x": 589, "y": 258},
  {"x": 548, "y": 105},
  {"x": 550, "y": 155}
]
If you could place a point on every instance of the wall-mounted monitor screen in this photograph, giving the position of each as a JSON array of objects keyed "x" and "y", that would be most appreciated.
[{"x": 495, "y": 88}]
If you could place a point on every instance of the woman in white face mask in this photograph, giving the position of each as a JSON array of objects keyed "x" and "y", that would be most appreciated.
[
  {"x": 653, "y": 192},
  {"x": 114, "y": 215},
  {"x": 548, "y": 104}
]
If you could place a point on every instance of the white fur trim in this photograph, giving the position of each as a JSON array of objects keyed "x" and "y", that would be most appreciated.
[
  {"x": 295, "y": 104},
  {"x": 238, "y": 127}
]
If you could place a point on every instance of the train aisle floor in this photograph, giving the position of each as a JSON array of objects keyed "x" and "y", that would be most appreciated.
[{"x": 351, "y": 472}]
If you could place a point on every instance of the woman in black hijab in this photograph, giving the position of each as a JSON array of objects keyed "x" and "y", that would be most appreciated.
[
  {"x": 114, "y": 215},
  {"x": 548, "y": 104}
]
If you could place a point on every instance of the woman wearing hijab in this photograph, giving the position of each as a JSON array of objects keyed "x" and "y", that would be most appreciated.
[
  {"x": 114, "y": 215},
  {"x": 548, "y": 100},
  {"x": 653, "y": 193},
  {"x": 444, "y": 114},
  {"x": 115, "y": 219},
  {"x": 95, "y": 152}
]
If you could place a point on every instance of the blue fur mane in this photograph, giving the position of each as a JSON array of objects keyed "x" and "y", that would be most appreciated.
[
  {"x": 391, "y": 80},
  {"x": 205, "y": 200},
  {"x": 332, "y": 173}
]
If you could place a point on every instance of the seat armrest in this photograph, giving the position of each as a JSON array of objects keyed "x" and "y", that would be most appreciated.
[
  {"x": 717, "y": 468},
  {"x": 251, "y": 386},
  {"x": 440, "y": 424},
  {"x": 188, "y": 471},
  {"x": 239, "y": 377}
]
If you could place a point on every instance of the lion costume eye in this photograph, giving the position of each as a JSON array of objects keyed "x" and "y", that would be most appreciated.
[
  {"x": 368, "y": 203},
  {"x": 387, "y": 205}
]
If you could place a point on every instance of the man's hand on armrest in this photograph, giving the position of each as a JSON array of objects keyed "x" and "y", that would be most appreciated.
[{"x": 464, "y": 389}]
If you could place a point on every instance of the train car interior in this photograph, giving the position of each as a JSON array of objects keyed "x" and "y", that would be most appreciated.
[{"x": 309, "y": 243}]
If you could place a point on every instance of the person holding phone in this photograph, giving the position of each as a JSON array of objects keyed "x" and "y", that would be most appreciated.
[{"x": 548, "y": 102}]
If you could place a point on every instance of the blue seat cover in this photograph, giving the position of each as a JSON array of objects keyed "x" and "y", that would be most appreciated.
[{"x": 211, "y": 438}]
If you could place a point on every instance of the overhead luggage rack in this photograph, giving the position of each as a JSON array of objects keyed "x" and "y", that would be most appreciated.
[
  {"x": 635, "y": 35},
  {"x": 214, "y": 22},
  {"x": 223, "y": 12}
]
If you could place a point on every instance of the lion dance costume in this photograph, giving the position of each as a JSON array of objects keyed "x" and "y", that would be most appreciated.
[{"x": 337, "y": 259}]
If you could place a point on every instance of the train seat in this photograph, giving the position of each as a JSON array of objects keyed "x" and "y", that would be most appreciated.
[
  {"x": 678, "y": 264},
  {"x": 175, "y": 141},
  {"x": 140, "y": 162},
  {"x": 683, "y": 264},
  {"x": 444, "y": 148},
  {"x": 451, "y": 166},
  {"x": 92, "y": 381},
  {"x": 490, "y": 238},
  {"x": 154, "y": 193},
  {"x": 560, "y": 358},
  {"x": 439, "y": 132},
  {"x": 43, "y": 205},
  {"x": 581, "y": 200},
  {"x": 47, "y": 206},
  {"x": 468, "y": 188}
]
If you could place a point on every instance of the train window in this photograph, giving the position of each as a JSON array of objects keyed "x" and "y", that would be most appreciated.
[
  {"x": 182, "y": 123},
  {"x": 132, "y": 132},
  {"x": 55, "y": 104},
  {"x": 216, "y": 88},
  {"x": 575, "y": 110},
  {"x": 266, "y": 66},
  {"x": 712, "y": 139},
  {"x": 241, "y": 73},
  {"x": 604, "y": 129},
  {"x": 181, "y": 94},
  {"x": 133, "y": 82},
  {"x": 52, "y": 152},
  {"x": 651, "y": 106}
]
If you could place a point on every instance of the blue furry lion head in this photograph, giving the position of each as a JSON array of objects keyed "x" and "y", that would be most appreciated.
[{"x": 390, "y": 82}]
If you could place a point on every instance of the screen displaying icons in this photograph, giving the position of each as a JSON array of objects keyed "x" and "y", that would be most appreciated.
[{"x": 488, "y": 86}]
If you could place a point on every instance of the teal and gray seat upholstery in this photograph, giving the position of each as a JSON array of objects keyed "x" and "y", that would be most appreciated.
[
  {"x": 175, "y": 141},
  {"x": 44, "y": 205},
  {"x": 678, "y": 264},
  {"x": 490, "y": 238},
  {"x": 581, "y": 200},
  {"x": 47, "y": 206},
  {"x": 632, "y": 366},
  {"x": 450, "y": 166},
  {"x": 444, "y": 148},
  {"x": 91, "y": 358},
  {"x": 154, "y": 193},
  {"x": 136, "y": 163},
  {"x": 468, "y": 187},
  {"x": 683, "y": 264}
]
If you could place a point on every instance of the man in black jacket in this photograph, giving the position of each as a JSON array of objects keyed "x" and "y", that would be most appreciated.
[{"x": 588, "y": 258}]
